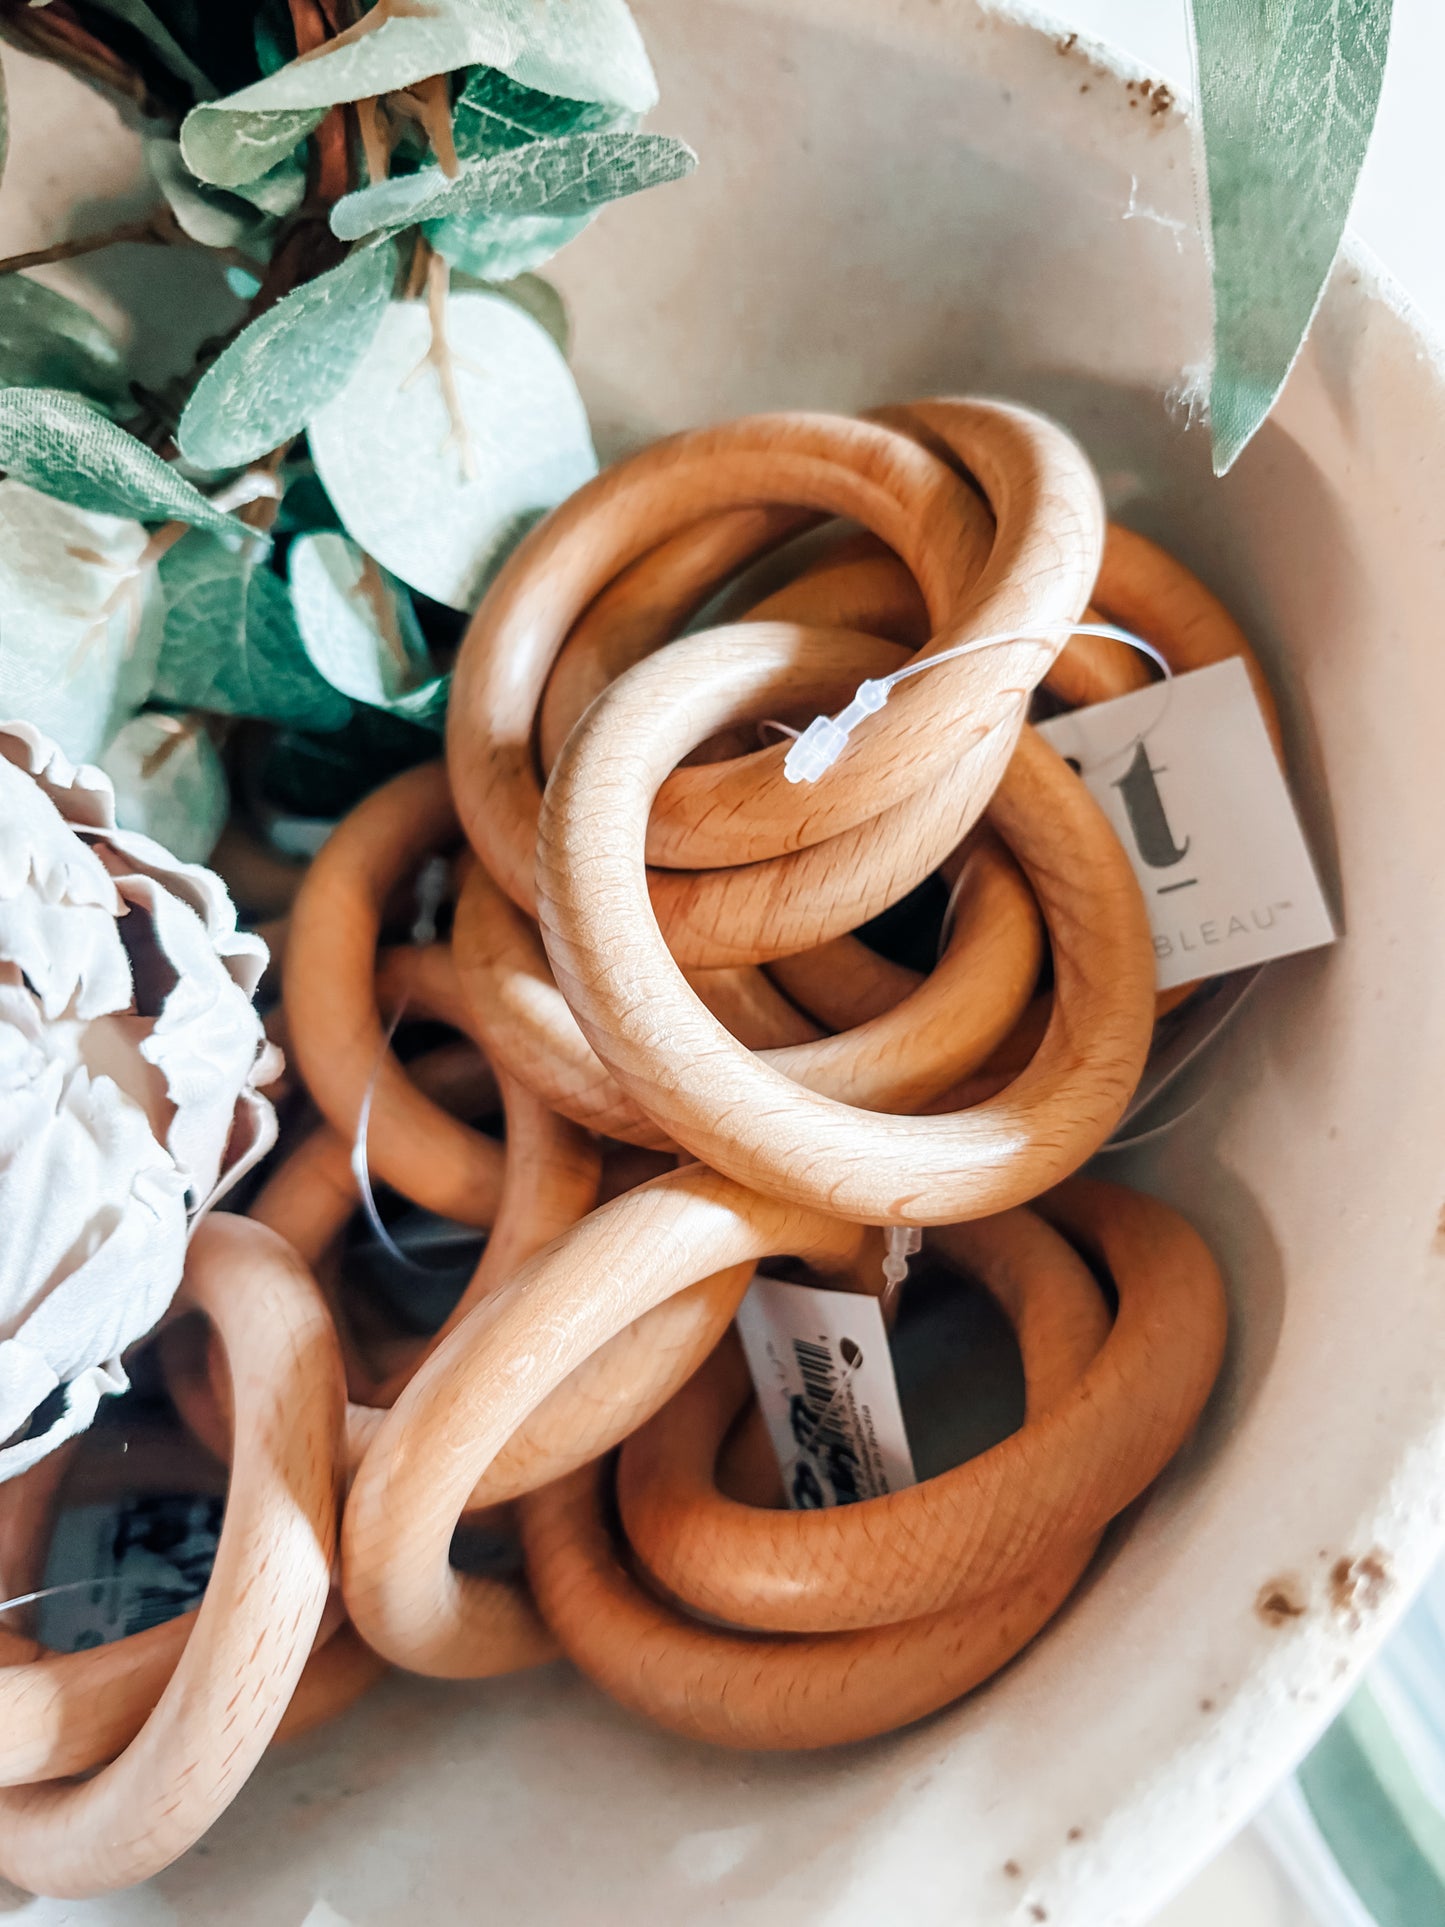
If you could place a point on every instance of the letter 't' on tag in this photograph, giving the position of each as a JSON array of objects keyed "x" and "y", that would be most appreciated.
[
  {"x": 824, "y": 1379},
  {"x": 1186, "y": 773}
]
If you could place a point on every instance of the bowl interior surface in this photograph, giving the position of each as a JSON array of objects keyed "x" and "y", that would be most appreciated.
[{"x": 897, "y": 198}]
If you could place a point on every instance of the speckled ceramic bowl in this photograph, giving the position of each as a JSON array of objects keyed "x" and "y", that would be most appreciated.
[{"x": 898, "y": 197}]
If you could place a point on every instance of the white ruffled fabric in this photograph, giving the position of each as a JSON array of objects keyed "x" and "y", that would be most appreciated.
[{"x": 131, "y": 1058}]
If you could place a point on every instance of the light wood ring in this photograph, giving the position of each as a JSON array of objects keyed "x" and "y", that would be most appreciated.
[
  {"x": 988, "y": 1522},
  {"x": 736, "y": 1112},
  {"x": 331, "y": 1003},
  {"x": 475, "y": 1393},
  {"x": 241, "y": 1664},
  {"x": 848, "y": 468}
]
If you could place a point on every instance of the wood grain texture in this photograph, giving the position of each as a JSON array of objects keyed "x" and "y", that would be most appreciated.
[
  {"x": 733, "y": 1109},
  {"x": 498, "y": 1367},
  {"x": 735, "y": 1689},
  {"x": 337, "y": 1040},
  {"x": 987, "y": 1523},
  {"x": 813, "y": 462},
  {"x": 263, "y": 1606}
]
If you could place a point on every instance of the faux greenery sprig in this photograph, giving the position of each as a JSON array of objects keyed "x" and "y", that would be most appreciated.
[{"x": 283, "y": 536}]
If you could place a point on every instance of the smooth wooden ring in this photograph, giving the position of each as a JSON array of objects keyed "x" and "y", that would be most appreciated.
[
  {"x": 848, "y": 468},
  {"x": 738, "y": 1113},
  {"x": 334, "y": 1023},
  {"x": 987, "y": 1523},
  {"x": 475, "y": 1393},
  {"x": 268, "y": 1589}
]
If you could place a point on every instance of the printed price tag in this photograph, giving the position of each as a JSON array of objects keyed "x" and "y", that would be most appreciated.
[
  {"x": 1186, "y": 773},
  {"x": 121, "y": 1570},
  {"x": 824, "y": 1378}
]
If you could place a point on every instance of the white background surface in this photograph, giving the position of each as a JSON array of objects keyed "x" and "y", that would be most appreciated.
[{"x": 1399, "y": 213}]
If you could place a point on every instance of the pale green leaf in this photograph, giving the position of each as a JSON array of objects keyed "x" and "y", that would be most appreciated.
[
  {"x": 1288, "y": 97},
  {"x": 213, "y": 216},
  {"x": 231, "y": 642},
  {"x": 504, "y": 247},
  {"x": 80, "y": 619},
  {"x": 571, "y": 176},
  {"x": 274, "y": 376},
  {"x": 439, "y": 501},
  {"x": 47, "y": 340},
  {"x": 170, "y": 783},
  {"x": 64, "y": 446},
  {"x": 230, "y": 148},
  {"x": 493, "y": 113},
  {"x": 361, "y": 631},
  {"x": 586, "y": 49}
]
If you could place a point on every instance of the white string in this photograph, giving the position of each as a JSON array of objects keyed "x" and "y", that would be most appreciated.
[
  {"x": 826, "y": 737},
  {"x": 53, "y": 1592}
]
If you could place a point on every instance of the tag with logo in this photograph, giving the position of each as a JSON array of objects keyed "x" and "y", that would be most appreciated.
[
  {"x": 116, "y": 1571},
  {"x": 1186, "y": 773},
  {"x": 824, "y": 1379}
]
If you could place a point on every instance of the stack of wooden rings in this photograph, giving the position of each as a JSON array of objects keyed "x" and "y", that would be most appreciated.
[{"x": 652, "y": 973}]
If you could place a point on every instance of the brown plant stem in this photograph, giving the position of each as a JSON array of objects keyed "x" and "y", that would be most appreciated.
[{"x": 331, "y": 161}]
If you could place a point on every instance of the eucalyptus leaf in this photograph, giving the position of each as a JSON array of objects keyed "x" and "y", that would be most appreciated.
[
  {"x": 395, "y": 462},
  {"x": 1288, "y": 96},
  {"x": 361, "y": 631},
  {"x": 230, "y": 148},
  {"x": 494, "y": 113},
  {"x": 571, "y": 176},
  {"x": 80, "y": 619},
  {"x": 289, "y": 362},
  {"x": 586, "y": 49},
  {"x": 504, "y": 248},
  {"x": 213, "y": 216},
  {"x": 280, "y": 191},
  {"x": 231, "y": 643},
  {"x": 47, "y": 340},
  {"x": 65, "y": 447},
  {"x": 169, "y": 783}
]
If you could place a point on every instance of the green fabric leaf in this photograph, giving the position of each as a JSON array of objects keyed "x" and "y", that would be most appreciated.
[
  {"x": 292, "y": 359},
  {"x": 170, "y": 783},
  {"x": 505, "y": 247},
  {"x": 571, "y": 176},
  {"x": 214, "y": 216},
  {"x": 396, "y": 463},
  {"x": 1288, "y": 94},
  {"x": 231, "y": 643},
  {"x": 48, "y": 341},
  {"x": 64, "y": 446},
  {"x": 585, "y": 49},
  {"x": 80, "y": 619},
  {"x": 493, "y": 113},
  {"x": 230, "y": 148},
  {"x": 361, "y": 631}
]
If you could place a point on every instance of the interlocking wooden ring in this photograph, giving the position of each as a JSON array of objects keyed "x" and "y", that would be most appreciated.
[
  {"x": 735, "y": 1689},
  {"x": 475, "y": 1393},
  {"x": 331, "y": 1004},
  {"x": 848, "y": 468},
  {"x": 903, "y": 1057},
  {"x": 733, "y": 1110},
  {"x": 987, "y": 1523},
  {"x": 243, "y": 1659}
]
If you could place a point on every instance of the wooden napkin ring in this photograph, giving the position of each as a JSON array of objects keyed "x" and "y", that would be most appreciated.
[
  {"x": 246, "y": 1649},
  {"x": 987, "y": 1523}
]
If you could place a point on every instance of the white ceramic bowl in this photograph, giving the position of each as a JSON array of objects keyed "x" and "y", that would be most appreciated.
[{"x": 900, "y": 197}]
